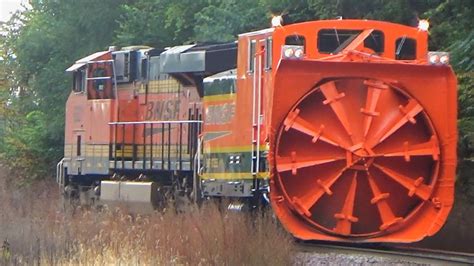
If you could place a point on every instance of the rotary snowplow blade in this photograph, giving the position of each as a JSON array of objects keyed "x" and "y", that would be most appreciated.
[{"x": 363, "y": 152}]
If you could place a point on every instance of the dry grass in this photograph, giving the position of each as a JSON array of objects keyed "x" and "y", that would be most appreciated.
[{"x": 39, "y": 232}]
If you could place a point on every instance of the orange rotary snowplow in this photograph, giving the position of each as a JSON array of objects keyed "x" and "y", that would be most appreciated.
[{"x": 367, "y": 153}]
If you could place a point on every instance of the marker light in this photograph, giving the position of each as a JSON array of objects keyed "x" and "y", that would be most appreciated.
[
  {"x": 438, "y": 58},
  {"x": 288, "y": 52},
  {"x": 292, "y": 51},
  {"x": 434, "y": 59},
  {"x": 277, "y": 21},
  {"x": 299, "y": 53},
  {"x": 423, "y": 25},
  {"x": 444, "y": 59}
]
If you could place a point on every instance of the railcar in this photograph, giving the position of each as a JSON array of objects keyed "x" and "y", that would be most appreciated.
[{"x": 346, "y": 127}]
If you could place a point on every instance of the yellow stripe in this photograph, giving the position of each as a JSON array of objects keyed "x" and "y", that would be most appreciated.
[
  {"x": 88, "y": 150},
  {"x": 233, "y": 176},
  {"x": 219, "y": 97},
  {"x": 246, "y": 148}
]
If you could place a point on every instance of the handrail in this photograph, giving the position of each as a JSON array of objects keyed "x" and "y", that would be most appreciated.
[
  {"x": 149, "y": 142},
  {"x": 60, "y": 171},
  {"x": 156, "y": 122}
]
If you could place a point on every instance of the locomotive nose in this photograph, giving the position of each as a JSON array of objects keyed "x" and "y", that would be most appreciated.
[{"x": 356, "y": 159}]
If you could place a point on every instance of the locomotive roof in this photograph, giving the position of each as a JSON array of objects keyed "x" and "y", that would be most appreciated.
[{"x": 83, "y": 61}]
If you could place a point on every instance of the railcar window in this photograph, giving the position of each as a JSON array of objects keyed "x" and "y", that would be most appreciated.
[
  {"x": 375, "y": 41},
  {"x": 154, "y": 73},
  {"x": 268, "y": 53},
  {"x": 251, "y": 62},
  {"x": 144, "y": 68},
  {"x": 126, "y": 65},
  {"x": 99, "y": 83},
  {"x": 78, "y": 146},
  {"x": 296, "y": 40},
  {"x": 79, "y": 81},
  {"x": 405, "y": 48},
  {"x": 332, "y": 40},
  {"x": 335, "y": 40}
]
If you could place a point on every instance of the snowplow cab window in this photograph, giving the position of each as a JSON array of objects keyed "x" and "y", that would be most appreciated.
[
  {"x": 332, "y": 40},
  {"x": 375, "y": 41},
  {"x": 405, "y": 48},
  {"x": 296, "y": 40},
  {"x": 335, "y": 40}
]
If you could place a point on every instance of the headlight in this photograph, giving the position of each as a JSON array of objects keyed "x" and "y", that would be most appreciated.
[
  {"x": 288, "y": 52},
  {"x": 299, "y": 53},
  {"x": 434, "y": 59},
  {"x": 292, "y": 52},
  {"x": 444, "y": 59},
  {"x": 438, "y": 58}
]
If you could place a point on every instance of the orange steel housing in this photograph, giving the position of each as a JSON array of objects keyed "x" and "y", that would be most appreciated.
[{"x": 353, "y": 101}]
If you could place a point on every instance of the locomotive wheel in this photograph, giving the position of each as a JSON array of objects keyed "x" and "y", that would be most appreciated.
[{"x": 356, "y": 158}]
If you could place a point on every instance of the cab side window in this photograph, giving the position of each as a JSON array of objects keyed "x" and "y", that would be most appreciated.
[
  {"x": 405, "y": 48},
  {"x": 99, "y": 84},
  {"x": 268, "y": 53},
  {"x": 79, "y": 81},
  {"x": 144, "y": 69},
  {"x": 99, "y": 81},
  {"x": 251, "y": 56}
]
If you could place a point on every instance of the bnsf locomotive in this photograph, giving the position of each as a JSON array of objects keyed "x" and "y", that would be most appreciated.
[{"x": 347, "y": 128}]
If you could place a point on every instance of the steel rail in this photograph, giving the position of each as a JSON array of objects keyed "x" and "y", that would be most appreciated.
[{"x": 414, "y": 252}]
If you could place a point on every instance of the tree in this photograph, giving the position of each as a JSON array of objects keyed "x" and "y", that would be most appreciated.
[{"x": 40, "y": 44}]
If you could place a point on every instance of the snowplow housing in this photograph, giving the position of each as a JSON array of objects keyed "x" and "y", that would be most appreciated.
[{"x": 363, "y": 151}]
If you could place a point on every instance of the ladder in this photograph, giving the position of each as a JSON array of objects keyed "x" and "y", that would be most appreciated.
[{"x": 256, "y": 116}]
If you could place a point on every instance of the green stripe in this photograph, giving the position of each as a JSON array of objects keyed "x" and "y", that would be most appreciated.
[
  {"x": 220, "y": 86},
  {"x": 234, "y": 176},
  {"x": 232, "y": 162}
]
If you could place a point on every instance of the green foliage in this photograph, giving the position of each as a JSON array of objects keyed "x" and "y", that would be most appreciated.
[
  {"x": 466, "y": 115},
  {"x": 158, "y": 23},
  {"x": 43, "y": 41},
  {"x": 452, "y": 31},
  {"x": 26, "y": 146},
  {"x": 39, "y": 45},
  {"x": 223, "y": 21}
]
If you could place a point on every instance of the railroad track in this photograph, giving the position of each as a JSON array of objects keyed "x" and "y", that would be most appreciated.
[{"x": 417, "y": 255}]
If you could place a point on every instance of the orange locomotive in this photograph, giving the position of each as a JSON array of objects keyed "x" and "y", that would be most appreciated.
[{"x": 347, "y": 128}]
